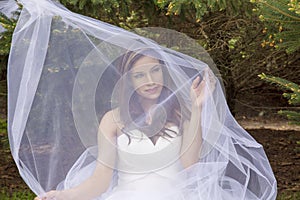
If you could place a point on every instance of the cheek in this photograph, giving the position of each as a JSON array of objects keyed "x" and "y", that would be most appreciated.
[
  {"x": 136, "y": 84},
  {"x": 159, "y": 79},
  {"x": 139, "y": 91}
]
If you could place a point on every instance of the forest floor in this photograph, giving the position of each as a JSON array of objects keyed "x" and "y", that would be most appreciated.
[{"x": 281, "y": 142}]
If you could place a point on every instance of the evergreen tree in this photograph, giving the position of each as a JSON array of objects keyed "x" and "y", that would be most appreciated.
[
  {"x": 127, "y": 14},
  {"x": 282, "y": 19},
  {"x": 285, "y": 14},
  {"x": 9, "y": 25},
  {"x": 203, "y": 7},
  {"x": 292, "y": 94}
]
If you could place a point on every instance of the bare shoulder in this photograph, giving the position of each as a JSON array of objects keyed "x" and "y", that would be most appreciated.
[{"x": 110, "y": 123}]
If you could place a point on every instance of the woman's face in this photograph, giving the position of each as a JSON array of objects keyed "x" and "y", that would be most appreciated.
[{"x": 147, "y": 77}]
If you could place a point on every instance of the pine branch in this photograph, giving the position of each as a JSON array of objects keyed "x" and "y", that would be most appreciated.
[
  {"x": 283, "y": 83},
  {"x": 9, "y": 25},
  {"x": 281, "y": 11},
  {"x": 293, "y": 97},
  {"x": 282, "y": 20},
  {"x": 293, "y": 116}
]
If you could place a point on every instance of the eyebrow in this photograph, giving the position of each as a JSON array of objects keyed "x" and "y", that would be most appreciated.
[{"x": 150, "y": 69}]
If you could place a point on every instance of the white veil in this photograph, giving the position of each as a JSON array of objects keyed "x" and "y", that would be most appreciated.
[{"x": 63, "y": 75}]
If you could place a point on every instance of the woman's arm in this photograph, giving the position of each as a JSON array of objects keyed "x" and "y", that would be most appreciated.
[
  {"x": 192, "y": 130},
  {"x": 100, "y": 180},
  {"x": 192, "y": 139}
]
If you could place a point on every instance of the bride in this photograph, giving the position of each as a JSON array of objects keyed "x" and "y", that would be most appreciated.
[
  {"x": 97, "y": 112},
  {"x": 147, "y": 76}
]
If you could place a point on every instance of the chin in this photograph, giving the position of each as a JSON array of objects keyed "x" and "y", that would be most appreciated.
[{"x": 152, "y": 97}]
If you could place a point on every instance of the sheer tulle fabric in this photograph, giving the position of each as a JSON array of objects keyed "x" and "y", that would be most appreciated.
[{"x": 63, "y": 76}]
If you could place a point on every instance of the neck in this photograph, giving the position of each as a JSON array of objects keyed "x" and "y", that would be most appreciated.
[{"x": 147, "y": 103}]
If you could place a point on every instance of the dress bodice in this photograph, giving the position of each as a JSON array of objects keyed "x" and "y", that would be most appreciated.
[{"x": 139, "y": 157}]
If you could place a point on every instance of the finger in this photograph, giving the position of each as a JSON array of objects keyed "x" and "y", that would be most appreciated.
[
  {"x": 38, "y": 198},
  {"x": 49, "y": 195},
  {"x": 199, "y": 89},
  {"x": 201, "y": 86},
  {"x": 196, "y": 82}
]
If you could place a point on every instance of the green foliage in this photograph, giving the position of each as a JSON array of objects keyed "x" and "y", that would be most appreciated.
[
  {"x": 3, "y": 126},
  {"x": 203, "y": 7},
  {"x": 4, "y": 143},
  {"x": 97, "y": 8},
  {"x": 292, "y": 94},
  {"x": 16, "y": 195},
  {"x": 294, "y": 6},
  {"x": 293, "y": 116},
  {"x": 5, "y": 37},
  {"x": 282, "y": 19},
  {"x": 289, "y": 196},
  {"x": 127, "y": 14},
  {"x": 225, "y": 28}
]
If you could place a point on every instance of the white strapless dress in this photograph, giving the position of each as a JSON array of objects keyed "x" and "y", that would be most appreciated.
[{"x": 147, "y": 170}]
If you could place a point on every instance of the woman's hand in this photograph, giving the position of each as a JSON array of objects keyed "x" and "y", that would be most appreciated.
[
  {"x": 54, "y": 195},
  {"x": 198, "y": 91}
]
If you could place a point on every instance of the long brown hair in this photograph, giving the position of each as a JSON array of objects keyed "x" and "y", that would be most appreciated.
[{"x": 132, "y": 113}]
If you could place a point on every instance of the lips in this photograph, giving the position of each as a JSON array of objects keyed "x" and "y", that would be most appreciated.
[{"x": 152, "y": 90}]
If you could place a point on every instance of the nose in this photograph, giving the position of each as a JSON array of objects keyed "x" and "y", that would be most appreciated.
[{"x": 150, "y": 79}]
